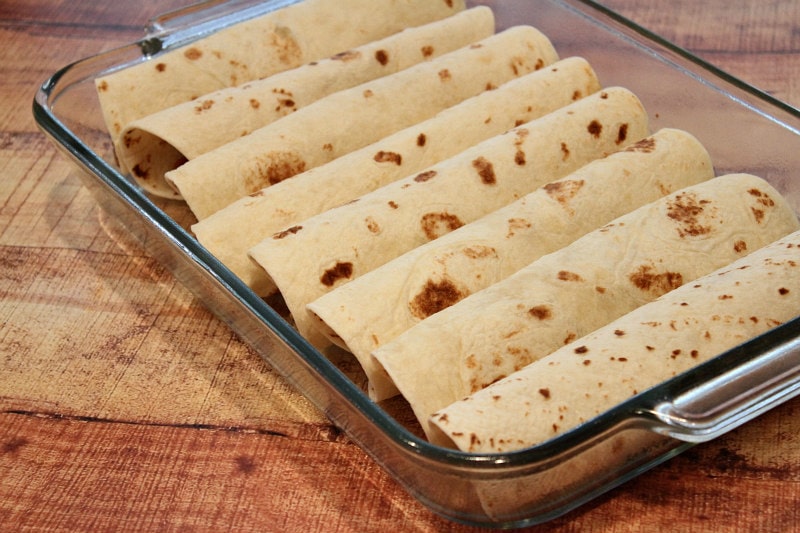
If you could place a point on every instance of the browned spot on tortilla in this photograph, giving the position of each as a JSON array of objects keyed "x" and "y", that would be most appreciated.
[
  {"x": 140, "y": 172},
  {"x": 205, "y": 105},
  {"x": 686, "y": 209},
  {"x": 783, "y": 291},
  {"x": 255, "y": 104},
  {"x": 445, "y": 75},
  {"x": 285, "y": 233},
  {"x": 570, "y": 337},
  {"x": 563, "y": 191},
  {"x": 347, "y": 55},
  {"x": 131, "y": 140},
  {"x": 389, "y": 157},
  {"x": 622, "y": 133},
  {"x": 541, "y": 312},
  {"x": 427, "y": 51},
  {"x": 328, "y": 147},
  {"x": 103, "y": 86},
  {"x": 581, "y": 350},
  {"x": 485, "y": 170},
  {"x": 273, "y": 168},
  {"x": 335, "y": 273},
  {"x": 595, "y": 128},
  {"x": 479, "y": 252},
  {"x": 474, "y": 440},
  {"x": 619, "y": 333},
  {"x": 739, "y": 247},
  {"x": 449, "y": 3},
  {"x": 393, "y": 204},
  {"x": 372, "y": 225},
  {"x": 434, "y": 297},
  {"x": 564, "y": 151},
  {"x": 516, "y": 63},
  {"x": 522, "y": 133},
  {"x": 645, "y": 146},
  {"x": 161, "y": 67},
  {"x": 422, "y": 177},
  {"x": 421, "y": 140},
  {"x": 545, "y": 393},
  {"x": 193, "y": 53},
  {"x": 434, "y": 225},
  {"x": 368, "y": 93},
  {"x": 289, "y": 51},
  {"x": 646, "y": 279},
  {"x": 763, "y": 198},
  {"x": 565, "y": 275},
  {"x": 382, "y": 57},
  {"x": 516, "y": 224}
]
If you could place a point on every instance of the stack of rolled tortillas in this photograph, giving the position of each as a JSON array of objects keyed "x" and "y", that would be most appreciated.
[{"x": 492, "y": 233}]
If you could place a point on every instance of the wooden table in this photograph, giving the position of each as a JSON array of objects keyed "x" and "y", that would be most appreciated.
[{"x": 124, "y": 405}]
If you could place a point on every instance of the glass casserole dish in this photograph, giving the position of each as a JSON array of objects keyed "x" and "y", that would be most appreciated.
[{"x": 743, "y": 130}]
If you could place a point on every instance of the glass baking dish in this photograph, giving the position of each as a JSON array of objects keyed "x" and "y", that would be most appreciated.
[{"x": 744, "y": 130}]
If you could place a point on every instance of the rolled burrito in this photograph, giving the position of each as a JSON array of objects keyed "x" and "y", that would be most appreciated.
[
  {"x": 408, "y": 151},
  {"x": 350, "y": 119},
  {"x": 256, "y": 48},
  {"x": 440, "y": 273},
  {"x": 162, "y": 141},
  {"x": 641, "y": 349},
  {"x": 568, "y": 293},
  {"x": 315, "y": 256}
]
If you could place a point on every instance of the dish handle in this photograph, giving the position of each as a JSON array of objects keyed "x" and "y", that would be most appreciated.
[
  {"x": 188, "y": 23},
  {"x": 743, "y": 388}
]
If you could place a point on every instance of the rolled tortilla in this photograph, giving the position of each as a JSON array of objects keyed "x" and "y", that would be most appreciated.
[
  {"x": 567, "y": 294},
  {"x": 334, "y": 247},
  {"x": 256, "y": 48},
  {"x": 350, "y": 119},
  {"x": 408, "y": 151},
  {"x": 436, "y": 275},
  {"x": 162, "y": 141},
  {"x": 657, "y": 341}
]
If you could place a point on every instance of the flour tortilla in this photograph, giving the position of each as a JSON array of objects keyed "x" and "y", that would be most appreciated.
[
  {"x": 160, "y": 142},
  {"x": 408, "y": 151},
  {"x": 684, "y": 328},
  {"x": 437, "y": 274},
  {"x": 256, "y": 48},
  {"x": 353, "y": 118},
  {"x": 566, "y": 294},
  {"x": 334, "y": 247}
]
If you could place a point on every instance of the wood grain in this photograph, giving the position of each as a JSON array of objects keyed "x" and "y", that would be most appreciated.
[{"x": 125, "y": 406}]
